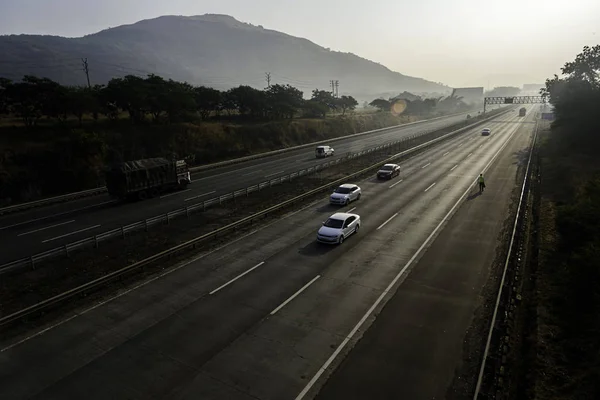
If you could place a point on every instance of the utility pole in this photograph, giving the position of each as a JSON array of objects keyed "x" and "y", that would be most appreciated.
[
  {"x": 332, "y": 83},
  {"x": 86, "y": 70},
  {"x": 337, "y": 86},
  {"x": 268, "y": 76}
]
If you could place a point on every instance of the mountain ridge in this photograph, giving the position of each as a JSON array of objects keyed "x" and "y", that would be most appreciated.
[{"x": 211, "y": 49}]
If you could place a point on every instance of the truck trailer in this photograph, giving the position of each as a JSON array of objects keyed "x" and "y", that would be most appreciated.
[
  {"x": 522, "y": 112},
  {"x": 141, "y": 179}
]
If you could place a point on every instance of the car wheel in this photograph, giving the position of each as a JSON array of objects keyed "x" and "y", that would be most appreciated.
[
  {"x": 357, "y": 227},
  {"x": 358, "y": 197},
  {"x": 341, "y": 239},
  {"x": 347, "y": 202}
]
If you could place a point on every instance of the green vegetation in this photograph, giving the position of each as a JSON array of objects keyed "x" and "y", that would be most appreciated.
[
  {"x": 57, "y": 139},
  {"x": 566, "y": 361}
]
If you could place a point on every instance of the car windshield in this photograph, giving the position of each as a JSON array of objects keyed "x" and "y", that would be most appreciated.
[
  {"x": 387, "y": 168},
  {"x": 334, "y": 223},
  {"x": 342, "y": 190}
]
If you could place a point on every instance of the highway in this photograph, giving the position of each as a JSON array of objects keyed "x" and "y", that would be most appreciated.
[
  {"x": 37, "y": 230},
  {"x": 269, "y": 315}
]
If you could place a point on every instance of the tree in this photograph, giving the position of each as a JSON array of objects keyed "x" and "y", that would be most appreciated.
[
  {"x": 381, "y": 104},
  {"x": 585, "y": 67},
  {"x": 82, "y": 100},
  {"x": 4, "y": 101},
  {"x": 129, "y": 94},
  {"x": 284, "y": 100},
  {"x": 347, "y": 103},
  {"x": 208, "y": 100},
  {"x": 247, "y": 100}
]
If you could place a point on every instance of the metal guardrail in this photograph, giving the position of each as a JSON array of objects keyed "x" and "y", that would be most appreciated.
[
  {"x": 214, "y": 234},
  {"x": 102, "y": 189},
  {"x": 507, "y": 296},
  {"x": 202, "y": 206}
]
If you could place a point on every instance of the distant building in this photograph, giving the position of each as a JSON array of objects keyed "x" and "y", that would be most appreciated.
[{"x": 470, "y": 95}]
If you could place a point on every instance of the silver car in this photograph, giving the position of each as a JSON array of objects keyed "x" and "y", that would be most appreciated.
[
  {"x": 338, "y": 227},
  {"x": 485, "y": 132},
  {"x": 344, "y": 194}
]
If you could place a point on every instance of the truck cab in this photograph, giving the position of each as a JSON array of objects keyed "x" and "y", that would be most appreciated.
[
  {"x": 184, "y": 177},
  {"x": 522, "y": 112}
]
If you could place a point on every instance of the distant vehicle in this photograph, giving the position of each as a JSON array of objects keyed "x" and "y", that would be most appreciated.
[
  {"x": 146, "y": 178},
  {"x": 468, "y": 116},
  {"x": 338, "y": 227},
  {"x": 344, "y": 194},
  {"x": 388, "y": 171},
  {"x": 522, "y": 112},
  {"x": 486, "y": 132},
  {"x": 323, "y": 151}
]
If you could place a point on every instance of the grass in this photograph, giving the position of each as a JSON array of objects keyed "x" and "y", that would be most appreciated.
[{"x": 564, "y": 362}]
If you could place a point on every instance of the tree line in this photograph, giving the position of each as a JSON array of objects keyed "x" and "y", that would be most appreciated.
[
  {"x": 160, "y": 99},
  {"x": 422, "y": 107}
]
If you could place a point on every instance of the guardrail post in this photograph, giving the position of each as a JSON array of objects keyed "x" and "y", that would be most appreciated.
[
  {"x": 123, "y": 232},
  {"x": 96, "y": 241},
  {"x": 168, "y": 219},
  {"x": 67, "y": 250},
  {"x": 32, "y": 262},
  {"x": 204, "y": 206},
  {"x": 146, "y": 225},
  {"x": 187, "y": 211},
  {"x": 246, "y": 192}
]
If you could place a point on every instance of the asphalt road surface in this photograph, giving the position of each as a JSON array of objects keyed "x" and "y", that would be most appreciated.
[
  {"x": 260, "y": 317},
  {"x": 37, "y": 230}
]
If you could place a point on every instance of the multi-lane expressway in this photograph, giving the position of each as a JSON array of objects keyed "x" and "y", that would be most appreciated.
[
  {"x": 37, "y": 230},
  {"x": 270, "y": 315}
]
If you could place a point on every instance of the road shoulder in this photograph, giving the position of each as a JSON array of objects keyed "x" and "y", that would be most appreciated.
[{"x": 441, "y": 308}]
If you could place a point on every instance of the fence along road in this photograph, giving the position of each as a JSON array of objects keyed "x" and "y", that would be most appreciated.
[
  {"x": 97, "y": 197},
  {"x": 80, "y": 218},
  {"x": 197, "y": 205}
]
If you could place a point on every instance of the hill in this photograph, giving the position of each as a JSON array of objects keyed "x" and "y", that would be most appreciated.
[{"x": 212, "y": 50}]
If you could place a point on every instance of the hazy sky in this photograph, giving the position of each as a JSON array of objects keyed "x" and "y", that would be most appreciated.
[{"x": 457, "y": 42}]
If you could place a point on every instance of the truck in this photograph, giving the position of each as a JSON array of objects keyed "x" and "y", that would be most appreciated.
[
  {"x": 522, "y": 112},
  {"x": 141, "y": 179}
]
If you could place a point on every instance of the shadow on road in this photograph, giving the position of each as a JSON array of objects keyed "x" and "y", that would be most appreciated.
[
  {"x": 473, "y": 196},
  {"x": 316, "y": 249}
]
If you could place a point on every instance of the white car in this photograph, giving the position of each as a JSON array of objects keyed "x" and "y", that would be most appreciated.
[
  {"x": 338, "y": 227},
  {"x": 345, "y": 194},
  {"x": 486, "y": 132}
]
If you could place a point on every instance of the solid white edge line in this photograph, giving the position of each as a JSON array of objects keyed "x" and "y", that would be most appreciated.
[
  {"x": 388, "y": 220},
  {"x": 330, "y": 360},
  {"x": 46, "y": 227},
  {"x": 71, "y": 233},
  {"x": 236, "y": 278},
  {"x": 430, "y": 186},
  {"x": 302, "y": 289},
  {"x": 170, "y": 271},
  {"x": 400, "y": 181},
  {"x": 174, "y": 269},
  {"x": 173, "y": 194},
  {"x": 426, "y": 165},
  {"x": 502, "y": 280},
  {"x": 200, "y": 195}
]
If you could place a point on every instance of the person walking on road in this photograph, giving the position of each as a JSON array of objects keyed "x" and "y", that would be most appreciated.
[{"x": 481, "y": 183}]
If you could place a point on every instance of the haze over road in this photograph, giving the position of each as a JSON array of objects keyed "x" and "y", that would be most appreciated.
[
  {"x": 259, "y": 317},
  {"x": 37, "y": 230}
]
